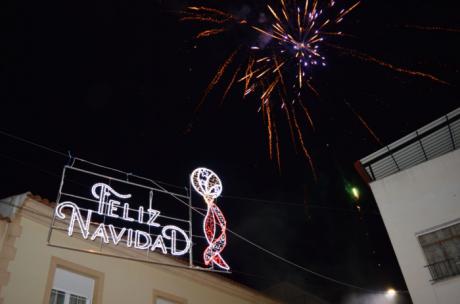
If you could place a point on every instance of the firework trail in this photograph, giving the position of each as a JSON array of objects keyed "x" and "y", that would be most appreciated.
[
  {"x": 291, "y": 129},
  {"x": 220, "y": 72},
  {"x": 277, "y": 65},
  {"x": 277, "y": 147},
  {"x": 307, "y": 114},
  {"x": 432, "y": 28},
  {"x": 211, "y": 32},
  {"x": 211, "y": 10},
  {"x": 304, "y": 149},
  {"x": 364, "y": 123},
  {"x": 269, "y": 128},
  {"x": 230, "y": 84},
  {"x": 295, "y": 41},
  {"x": 206, "y": 14},
  {"x": 297, "y": 34},
  {"x": 371, "y": 59}
]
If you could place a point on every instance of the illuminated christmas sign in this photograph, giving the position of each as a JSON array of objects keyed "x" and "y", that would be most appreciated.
[
  {"x": 209, "y": 186},
  {"x": 115, "y": 205},
  {"x": 118, "y": 209}
]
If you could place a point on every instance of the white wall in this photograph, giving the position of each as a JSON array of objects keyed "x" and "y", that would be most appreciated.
[
  {"x": 415, "y": 200},
  {"x": 125, "y": 281}
]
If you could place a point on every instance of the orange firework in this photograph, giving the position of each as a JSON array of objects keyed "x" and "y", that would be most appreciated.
[
  {"x": 371, "y": 59},
  {"x": 210, "y": 32},
  {"x": 277, "y": 66},
  {"x": 220, "y": 72},
  {"x": 433, "y": 28}
]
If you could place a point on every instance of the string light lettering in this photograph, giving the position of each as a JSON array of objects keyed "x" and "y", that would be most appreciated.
[{"x": 111, "y": 204}]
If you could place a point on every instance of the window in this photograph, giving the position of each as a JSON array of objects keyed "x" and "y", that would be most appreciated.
[
  {"x": 442, "y": 251},
  {"x": 160, "y": 297},
  {"x": 61, "y": 297},
  {"x": 57, "y": 297},
  {"x": 77, "y": 300},
  {"x": 70, "y": 283},
  {"x": 164, "y": 301},
  {"x": 71, "y": 288}
]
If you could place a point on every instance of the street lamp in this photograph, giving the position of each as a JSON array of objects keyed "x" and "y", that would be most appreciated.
[{"x": 391, "y": 293}]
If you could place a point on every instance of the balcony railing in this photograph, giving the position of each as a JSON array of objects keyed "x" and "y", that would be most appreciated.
[
  {"x": 444, "y": 269},
  {"x": 433, "y": 140}
]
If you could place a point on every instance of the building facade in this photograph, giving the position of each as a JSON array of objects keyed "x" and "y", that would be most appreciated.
[
  {"x": 416, "y": 184},
  {"x": 31, "y": 271}
]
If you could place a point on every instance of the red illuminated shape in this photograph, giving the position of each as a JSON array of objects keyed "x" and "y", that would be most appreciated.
[{"x": 209, "y": 186}]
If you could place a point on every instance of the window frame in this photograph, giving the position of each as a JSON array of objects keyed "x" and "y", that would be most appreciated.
[
  {"x": 87, "y": 301},
  {"x": 158, "y": 294},
  {"x": 433, "y": 230},
  {"x": 97, "y": 276},
  {"x": 68, "y": 294},
  {"x": 59, "y": 291}
]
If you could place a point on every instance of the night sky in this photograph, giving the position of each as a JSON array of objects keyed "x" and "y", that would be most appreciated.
[{"x": 117, "y": 82}]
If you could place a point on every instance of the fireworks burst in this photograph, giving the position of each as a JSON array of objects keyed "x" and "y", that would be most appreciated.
[
  {"x": 298, "y": 33},
  {"x": 278, "y": 65}
]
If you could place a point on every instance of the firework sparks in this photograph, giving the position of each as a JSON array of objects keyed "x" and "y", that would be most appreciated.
[
  {"x": 291, "y": 129},
  {"x": 364, "y": 123},
  {"x": 220, "y": 72},
  {"x": 211, "y": 32},
  {"x": 230, "y": 84},
  {"x": 303, "y": 146},
  {"x": 204, "y": 19},
  {"x": 280, "y": 61},
  {"x": 283, "y": 66},
  {"x": 297, "y": 34},
  {"x": 211, "y": 10},
  {"x": 371, "y": 59},
  {"x": 295, "y": 39},
  {"x": 267, "y": 112},
  {"x": 277, "y": 147},
  {"x": 433, "y": 28},
  {"x": 307, "y": 114},
  {"x": 206, "y": 14}
]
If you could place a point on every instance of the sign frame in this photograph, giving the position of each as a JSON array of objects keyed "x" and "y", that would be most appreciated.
[{"x": 185, "y": 199}]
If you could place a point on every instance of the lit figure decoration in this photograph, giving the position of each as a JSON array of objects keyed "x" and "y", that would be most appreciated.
[{"x": 209, "y": 186}]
